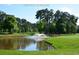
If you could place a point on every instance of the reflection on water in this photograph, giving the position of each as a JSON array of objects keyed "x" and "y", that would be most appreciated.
[
  {"x": 42, "y": 45},
  {"x": 23, "y": 44}
]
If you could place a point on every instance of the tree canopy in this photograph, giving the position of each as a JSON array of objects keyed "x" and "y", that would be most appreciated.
[
  {"x": 56, "y": 22},
  {"x": 10, "y": 23},
  {"x": 50, "y": 22}
]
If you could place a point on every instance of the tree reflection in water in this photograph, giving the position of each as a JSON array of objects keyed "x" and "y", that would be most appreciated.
[
  {"x": 20, "y": 43},
  {"x": 42, "y": 45},
  {"x": 13, "y": 43}
]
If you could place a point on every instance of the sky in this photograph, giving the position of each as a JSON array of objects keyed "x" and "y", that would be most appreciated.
[{"x": 28, "y": 11}]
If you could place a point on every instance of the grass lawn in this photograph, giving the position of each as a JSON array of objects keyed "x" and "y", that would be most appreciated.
[
  {"x": 64, "y": 45},
  {"x": 18, "y": 34},
  {"x": 65, "y": 41},
  {"x": 51, "y": 52}
]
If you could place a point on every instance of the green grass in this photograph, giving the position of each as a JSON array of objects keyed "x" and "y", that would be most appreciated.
[
  {"x": 65, "y": 42},
  {"x": 18, "y": 34},
  {"x": 64, "y": 45},
  {"x": 51, "y": 52}
]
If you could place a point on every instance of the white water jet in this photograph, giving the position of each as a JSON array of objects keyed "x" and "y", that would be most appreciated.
[{"x": 37, "y": 37}]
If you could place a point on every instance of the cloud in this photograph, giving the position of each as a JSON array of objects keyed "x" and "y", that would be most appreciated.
[
  {"x": 65, "y": 9},
  {"x": 71, "y": 11}
]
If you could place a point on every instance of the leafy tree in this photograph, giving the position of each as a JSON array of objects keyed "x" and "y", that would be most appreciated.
[
  {"x": 58, "y": 22},
  {"x": 10, "y": 24},
  {"x": 45, "y": 16},
  {"x": 2, "y": 18}
]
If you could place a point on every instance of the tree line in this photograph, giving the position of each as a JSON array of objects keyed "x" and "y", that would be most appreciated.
[
  {"x": 56, "y": 22},
  {"x": 49, "y": 22},
  {"x": 10, "y": 24}
]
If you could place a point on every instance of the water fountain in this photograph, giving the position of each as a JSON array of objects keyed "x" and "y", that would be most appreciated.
[{"x": 37, "y": 37}]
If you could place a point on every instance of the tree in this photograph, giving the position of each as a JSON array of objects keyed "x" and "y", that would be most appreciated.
[
  {"x": 58, "y": 22},
  {"x": 25, "y": 26},
  {"x": 61, "y": 22},
  {"x": 2, "y": 18},
  {"x": 10, "y": 24},
  {"x": 41, "y": 26},
  {"x": 73, "y": 23},
  {"x": 45, "y": 16},
  {"x": 77, "y": 28}
]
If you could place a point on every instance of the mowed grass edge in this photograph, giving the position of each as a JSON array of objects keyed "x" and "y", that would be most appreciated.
[{"x": 64, "y": 45}]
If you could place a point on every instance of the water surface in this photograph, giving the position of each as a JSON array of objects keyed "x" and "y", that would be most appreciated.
[{"x": 20, "y": 43}]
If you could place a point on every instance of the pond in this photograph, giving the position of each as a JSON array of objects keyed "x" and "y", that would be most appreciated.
[{"x": 21, "y": 43}]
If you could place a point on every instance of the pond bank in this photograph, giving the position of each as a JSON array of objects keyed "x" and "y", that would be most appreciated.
[
  {"x": 66, "y": 44},
  {"x": 13, "y": 42}
]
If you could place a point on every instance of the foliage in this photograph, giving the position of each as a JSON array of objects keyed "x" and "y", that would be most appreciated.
[
  {"x": 11, "y": 24},
  {"x": 49, "y": 22},
  {"x": 58, "y": 22}
]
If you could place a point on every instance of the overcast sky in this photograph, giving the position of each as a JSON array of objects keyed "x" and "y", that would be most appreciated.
[{"x": 28, "y": 11}]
